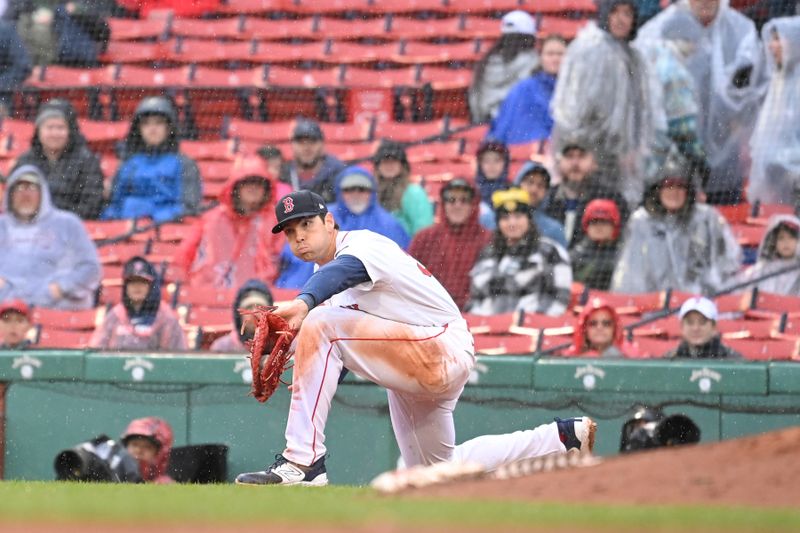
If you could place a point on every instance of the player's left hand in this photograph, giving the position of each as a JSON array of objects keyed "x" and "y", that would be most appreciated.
[{"x": 294, "y": 312}]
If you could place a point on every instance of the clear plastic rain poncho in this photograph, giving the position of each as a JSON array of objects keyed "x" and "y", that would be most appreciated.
[
  {"x": 769, "y": 262},
  {"x": 715, "y": 53},
  {"x": 604, "y": 97},
  {"x": 775, "y": 144}
]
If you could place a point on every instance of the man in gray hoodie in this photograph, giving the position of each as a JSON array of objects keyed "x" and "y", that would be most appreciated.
[{"x": 49, "y": 259}]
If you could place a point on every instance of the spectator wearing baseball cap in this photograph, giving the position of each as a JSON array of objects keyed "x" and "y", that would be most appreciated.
[
  {"x": 407, "y": 201},
  {"x": 231, "y": 244},
  {"x": 252, "y": 294},
  {"x": 511, "y": 59},
  {"x": 778, "y": 250},
  {"x": 141, "y": 321},
  {"x": 48, "y": 258},
  {"x": 535, "y": 178},
  {"x": 15, "y": 322},
  {"x": 524, "y": 114},
  {"x": 450, "y": 248},
  {"x": 311, "y": 168},
  {"x": 673, "y": 242},
  {"x": 595, "y": 256},
  {"x": 699, "y": 336},
  {"x": 357, "y": 206},
  {"x": 580, "y": 184},
  {"x": 520, "y": 270}
]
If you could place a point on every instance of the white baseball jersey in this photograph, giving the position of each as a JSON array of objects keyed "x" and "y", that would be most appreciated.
[{"x": 401, "y": 289}]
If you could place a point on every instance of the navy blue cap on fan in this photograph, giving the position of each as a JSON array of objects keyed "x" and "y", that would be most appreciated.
[{"x": 299, "y": 204}]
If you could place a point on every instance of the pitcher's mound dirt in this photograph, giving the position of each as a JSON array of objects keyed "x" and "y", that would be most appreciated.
[{"x": 762, "y": 470}]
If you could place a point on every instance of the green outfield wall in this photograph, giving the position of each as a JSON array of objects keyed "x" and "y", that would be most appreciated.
[{"x": 55, "y": 399}]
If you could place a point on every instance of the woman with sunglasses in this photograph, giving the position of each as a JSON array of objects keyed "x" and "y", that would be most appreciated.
[{"x": 598, "y": 333}]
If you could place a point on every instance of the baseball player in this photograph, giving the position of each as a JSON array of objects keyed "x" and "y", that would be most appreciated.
[{"x": 375, "y": 310}]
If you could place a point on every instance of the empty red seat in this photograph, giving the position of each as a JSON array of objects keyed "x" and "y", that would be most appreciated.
[
  {"x": 344, "y": 52},
  {"x": 86, "y": 319},
  {"x": 393, "y": 77},
  {"x": 230, "y": 28},
  {"x": 214, "y": 171},
  {"x": 648, "y": 347},
  {"x": 493, "y": 324},
  {"x": 776, "y": 302},
  {"x": 123, "y": 29},
  {"x": 279, "y": 29},
  {"x": 203, "y": 51},
  {"x": 132, "y": 52},
  {"x": 764, "y": 350},
  {"x": 105, "y": 229},
  {"x": 344, "y": 29},
  {"x": 504, "y": 344},
  {"x": 199, "y": 296},
  {"x": 62, "y": 338},
  {"x": 263, "y": 132},
  {"x": 408, "y": 131},
  {"x": 735, "y": 214},
  {"x": 627, "y": 304},
  {"x": 206, "y": 316},
  {"x": 221, "y": 150},
  {"x": 411, "y": 28}
]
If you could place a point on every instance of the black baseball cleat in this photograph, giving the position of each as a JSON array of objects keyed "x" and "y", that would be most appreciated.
[
  {"x": 577, "y": 433},
  {"x": 284, "y": 472}
]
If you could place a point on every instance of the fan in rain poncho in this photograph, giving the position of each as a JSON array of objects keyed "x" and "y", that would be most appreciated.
[
  {"x": 775, "y": 144},
  {"x": 778, "y": 250},
  {"x": 674, "y": 242},
  {"x": 723, "y": 55},
  {"x": 603, "y": 95}
]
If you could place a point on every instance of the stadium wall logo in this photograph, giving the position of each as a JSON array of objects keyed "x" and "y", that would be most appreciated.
[
  {"x": 588, "y": 375},
  {"x": 475, "y": 373},
  {"x": 137, "y": 367},
  {"x": 703, "y": 378},
  {"x": 26, "y": 365},
  {"x": 244, "y": 369}
]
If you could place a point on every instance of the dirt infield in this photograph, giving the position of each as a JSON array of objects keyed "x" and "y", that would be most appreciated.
[{"x": 761, "y": 470}]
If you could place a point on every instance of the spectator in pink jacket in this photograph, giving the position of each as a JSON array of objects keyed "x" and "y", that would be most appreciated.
[{"x": 141, "y": 321}]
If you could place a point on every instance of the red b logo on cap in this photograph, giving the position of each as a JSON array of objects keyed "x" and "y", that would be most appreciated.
[{"x": 288, "y": 205}]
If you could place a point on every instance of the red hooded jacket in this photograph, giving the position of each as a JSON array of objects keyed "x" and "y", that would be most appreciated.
[
  {"x": 450, "y": 252},
  {"x": 161, "y": 432},
  {"x": 579, "y": 347},
  {"x": 225, "y": 248}
]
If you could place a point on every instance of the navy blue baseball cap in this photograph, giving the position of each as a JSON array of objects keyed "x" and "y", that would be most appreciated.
[{"x": 299, "y": 204}]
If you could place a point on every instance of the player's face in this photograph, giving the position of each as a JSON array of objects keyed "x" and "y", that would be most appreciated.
[
  {"x": 312, "y": 239},
  {"x": 785, "y": 244},
  {"x": 600, "y": 330},
  {"x": 13, "y": 327},
  {"x": 696, "y": 329},
  {"x": 513, "y": 226},
  {"x": 620, "y": 21}
]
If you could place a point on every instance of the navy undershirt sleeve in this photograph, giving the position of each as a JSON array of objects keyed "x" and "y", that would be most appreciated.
[{"x": 342, "y": 273}]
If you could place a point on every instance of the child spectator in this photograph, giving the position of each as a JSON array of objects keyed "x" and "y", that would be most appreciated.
[
  {"x": 59, "y": 150},
  {"x": 141, "y": 321},
  {"x": 673, "y": 242},
  {"x": 777, "y": 251},
  {"x": 699, "y": 337},
  {"x": 149, "y": 441},
  {"x": 524, "y": 115},
  {"x": 408, "y": 202},
  {"x": 519, "y": 270},
  {"x": 535, "y": 178},
  {"x": 511, "y": 59},
  {"x": 15, "y": 322},
  {"x": 48, "y": 258},
  {"x": 232, "y": 243},
  {"x": 450, "y": 248},
  {"x": 154, "y": 179},
  {"x": 775, "y": 144},
  {"x": 725, "y": 62},
  {"x": 357, "y": 206},
  {"x": 599, "y": 333},
  {"x": 603, "y": 96},
  {"x": 580, "y": 184},
  {"x": 250, "y": 295},
  {"x": 595, "y": 256}
]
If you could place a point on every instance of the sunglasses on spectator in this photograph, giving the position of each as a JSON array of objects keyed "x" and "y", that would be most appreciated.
[
  {"x": 603, "y": 323},
  {"x": 356, "y": 189},
  {"x": 457, "y": 200}
]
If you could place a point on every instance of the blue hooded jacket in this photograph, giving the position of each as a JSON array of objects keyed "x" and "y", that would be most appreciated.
[
  {"x": 53, "y": 247},
  {"x": 375, "y": 218},
  {"x": 525, "y": 113}
]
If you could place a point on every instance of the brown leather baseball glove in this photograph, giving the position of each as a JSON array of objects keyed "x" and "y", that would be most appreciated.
[{"x": 269, "y": 351}]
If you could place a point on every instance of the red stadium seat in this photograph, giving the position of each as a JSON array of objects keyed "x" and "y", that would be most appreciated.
[
  {"x": 436, "y": 151},
  {"x": 352, "y": 151},
  {"x": 134, "y": 29},
  {"x": 221, "y": 150},
  {"x": 290, "y": 77},
  {"x": 118, "y": 253},
  {"x": 263, "y": 132},
  {"x": 343, "y": 29},
  {"x": 728, "y": 303},
  {"x": 215, "y": 170},
  {"x": 631, "y": 304},
  {"x": 764, "y": 350},
  {"x": 186, "y": 51},
  {"x": 60, "y": 338},
  {"x": 415, "y": 52},
  {"x": 199, "y": 296},
  {"x": 75, "y": 85},
  {"x": 560, "y": 6},
  {"x": 54, "y": 319},
  {"x": 225, "y": 28},
  {"x": 250, "y": 7},
  {"x": 127, "y": 85},
  {"x": 408, "y": 6},
  {"x": 105, "y": 229},
  {"x": 103, "y": 136},
  {"x": 408, "y": 131},
  {"x": 735, "y": 214},
  {"x": 344, "y": 53},
  {"x": 206, "y": 316},
  {"x": 504, "y": 344},
  {"x": 778, "y": 303},
  {"x": 747, "y": 235},
  {"x": 565, "y": 27},
  {"x": 480, "y": 28},
  {"x": 275, "y": 30},
  {"x": 362, "y": 77},
  {"x": 133, "y": 52},
  {"x": 312, "y": 7},
  {"x": 493, "y": 324},
  {"x": 482, "y": 7},
  {"x": 747, "y": 329},
  {"x": 411, "y": 28},
  {"x": 348, "y": 132},
  {"x": 536, "y": 321},
  {"x": 647, "y": 347}
]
